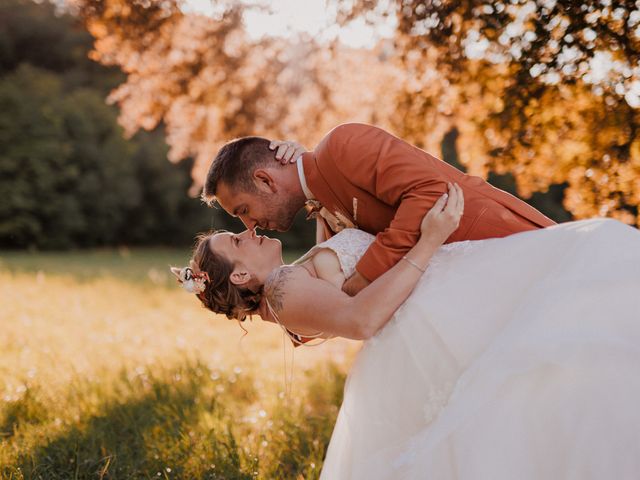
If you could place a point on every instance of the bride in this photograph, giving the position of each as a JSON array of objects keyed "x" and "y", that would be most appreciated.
[{"x": 511, "y": 358}]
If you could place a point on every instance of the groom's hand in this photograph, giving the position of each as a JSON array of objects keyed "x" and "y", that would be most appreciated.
[
  {"x": 354, "y": 284},
  {"x": 286, "y": 151}
]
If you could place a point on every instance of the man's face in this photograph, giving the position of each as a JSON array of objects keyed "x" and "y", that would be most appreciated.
[{"x": 264, "y": 208}]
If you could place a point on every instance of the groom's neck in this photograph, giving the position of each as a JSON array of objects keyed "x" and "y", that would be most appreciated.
[{"x": 292, "y": 186}]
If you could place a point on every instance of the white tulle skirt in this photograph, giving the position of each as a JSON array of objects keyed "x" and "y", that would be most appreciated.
[{"x": 514, "y": 358}]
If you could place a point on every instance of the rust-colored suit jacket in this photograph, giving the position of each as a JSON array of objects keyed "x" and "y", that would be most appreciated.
[{"x": 394, "y": 184}]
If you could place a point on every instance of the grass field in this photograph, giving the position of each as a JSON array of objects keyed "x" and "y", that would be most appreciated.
[{"x": 109, "y": 371}]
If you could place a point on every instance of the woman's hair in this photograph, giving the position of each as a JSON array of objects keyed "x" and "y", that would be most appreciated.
[{"x": 220, "y": 294}]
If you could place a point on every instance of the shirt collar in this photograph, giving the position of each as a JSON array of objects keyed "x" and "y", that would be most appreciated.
[{"x": 303, "y": 181}]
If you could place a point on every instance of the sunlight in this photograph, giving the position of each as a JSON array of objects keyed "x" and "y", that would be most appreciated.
[{"x": 291, "y": 17}]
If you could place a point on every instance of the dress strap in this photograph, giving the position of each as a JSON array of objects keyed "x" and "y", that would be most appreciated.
[{"x": 296, "y": 338}]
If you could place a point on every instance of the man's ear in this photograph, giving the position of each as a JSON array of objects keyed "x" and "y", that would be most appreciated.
[
  {"x": 240, "y": 276},
  {"x": 264, "y": 180}
]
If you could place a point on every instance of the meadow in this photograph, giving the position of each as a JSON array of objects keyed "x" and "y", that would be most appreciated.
[{"x": 109, "y": 371}]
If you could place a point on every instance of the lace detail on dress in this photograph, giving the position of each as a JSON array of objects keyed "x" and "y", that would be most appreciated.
[
  {"x": 436, "y": 401},
  {"x": 349, "y": 245}
]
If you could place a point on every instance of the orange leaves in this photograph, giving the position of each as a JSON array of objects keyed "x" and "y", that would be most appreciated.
[{"x": 540, "y": 90}]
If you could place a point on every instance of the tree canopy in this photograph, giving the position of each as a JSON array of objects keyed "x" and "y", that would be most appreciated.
[
  {"x": 208, "y": 82},
  {"x": 546, "y": 90}
]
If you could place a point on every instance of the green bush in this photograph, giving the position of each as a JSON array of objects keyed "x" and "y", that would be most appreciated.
[{"x": 68, "y": 178}]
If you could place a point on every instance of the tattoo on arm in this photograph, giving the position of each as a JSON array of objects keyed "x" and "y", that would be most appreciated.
[{"x": 274, "y": 287}]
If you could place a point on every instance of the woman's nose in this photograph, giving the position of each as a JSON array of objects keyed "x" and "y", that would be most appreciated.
[{"x": 249, "y": 233}]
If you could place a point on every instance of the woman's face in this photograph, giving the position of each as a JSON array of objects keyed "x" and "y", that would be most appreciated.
[{"x": 259, "y": 254}]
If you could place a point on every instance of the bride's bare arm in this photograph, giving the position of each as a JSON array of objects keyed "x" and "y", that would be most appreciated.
[{"x": 304, "y": 302}]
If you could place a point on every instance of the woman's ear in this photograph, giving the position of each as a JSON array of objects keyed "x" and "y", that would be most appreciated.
[
  {"x": 264, "y": 180},
  {"x": 240, "y": 276}
]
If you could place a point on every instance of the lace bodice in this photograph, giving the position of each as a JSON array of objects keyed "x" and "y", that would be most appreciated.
[{"x": 349, "y": 245}]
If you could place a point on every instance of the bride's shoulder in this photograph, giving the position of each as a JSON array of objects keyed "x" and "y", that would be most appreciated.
[{"x": 280, "y": 281}]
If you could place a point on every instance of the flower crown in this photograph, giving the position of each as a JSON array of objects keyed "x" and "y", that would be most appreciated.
[{"x": 191, "y": 278}]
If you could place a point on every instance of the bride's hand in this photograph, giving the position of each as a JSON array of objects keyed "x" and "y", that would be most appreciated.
[
  {"x": 286, "y": 151},
  {"x": 444, "y": 217}
]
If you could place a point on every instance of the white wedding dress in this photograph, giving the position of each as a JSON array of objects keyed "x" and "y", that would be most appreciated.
[{"x": 513, "y": 359}]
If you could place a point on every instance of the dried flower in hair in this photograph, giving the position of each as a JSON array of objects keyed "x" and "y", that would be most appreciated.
[{"x": 192, "y": 281}]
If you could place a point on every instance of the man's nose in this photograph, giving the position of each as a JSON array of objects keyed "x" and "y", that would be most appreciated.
[{"x": 249, "y": 223}]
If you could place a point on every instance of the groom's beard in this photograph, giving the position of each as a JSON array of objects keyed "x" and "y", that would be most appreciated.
[
  {"x": 279, "y": 215},
  {"x": 284, "y": 219}
]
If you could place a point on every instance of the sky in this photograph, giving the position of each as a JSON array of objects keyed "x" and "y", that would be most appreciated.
[{"x": 289, "y": 17}]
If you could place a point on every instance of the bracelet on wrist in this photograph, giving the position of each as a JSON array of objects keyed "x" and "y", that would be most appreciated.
[{"x": 411, "y": 262}]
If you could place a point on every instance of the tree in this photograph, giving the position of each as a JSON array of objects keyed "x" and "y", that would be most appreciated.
[
  {"x": 40, "y": 35},
  {"x": 66, "y": 170},
  {"x": 545, "y": 90},
  {"x": 67, "y": 176},
  {"x": 209, "y": 82},
  {"x": 202, "y": 77}
]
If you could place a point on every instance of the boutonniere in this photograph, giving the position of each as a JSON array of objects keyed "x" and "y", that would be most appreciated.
[
  {"x": 313, "y": 208},
  {"x": 337, "y": 220}
]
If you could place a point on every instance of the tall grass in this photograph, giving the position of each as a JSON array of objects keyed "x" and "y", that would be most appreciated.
[{"x": 109, "y": 371}]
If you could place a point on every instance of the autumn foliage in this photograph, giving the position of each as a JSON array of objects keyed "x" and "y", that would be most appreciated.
[
  {"x": 545, "y": 90},
  {"x": 208, "y": 82}
]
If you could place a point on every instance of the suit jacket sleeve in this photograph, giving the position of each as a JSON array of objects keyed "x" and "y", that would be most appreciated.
[{"x": 395, "y": 172}]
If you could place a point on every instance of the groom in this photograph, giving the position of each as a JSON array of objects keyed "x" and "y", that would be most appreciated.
[{"x": 359, "y": 176}]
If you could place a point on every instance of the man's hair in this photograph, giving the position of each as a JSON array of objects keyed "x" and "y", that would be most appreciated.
[{"x": 234, "y": 165}]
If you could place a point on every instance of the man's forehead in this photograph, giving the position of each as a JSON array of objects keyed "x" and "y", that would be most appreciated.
[
  {"x": 227, "y": 199},
  {"x": 223, "y": 203}
]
